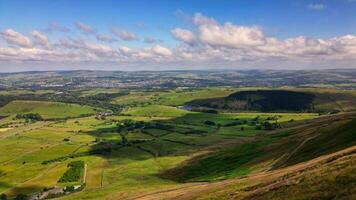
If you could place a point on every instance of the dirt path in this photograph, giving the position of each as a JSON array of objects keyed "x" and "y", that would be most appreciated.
[{"x": 85, "y": 173}]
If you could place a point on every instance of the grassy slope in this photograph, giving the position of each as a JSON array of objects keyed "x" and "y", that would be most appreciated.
[
  {"x": 135, "y": 98},
  {"x": 157, "y": 111},
  {"x": 327, "y": 172},
  {"x": 325, "y": 99},
  {"x": 327, "y": 140},
  {"x": 176, "y": 98},
  {"x": 46, "y": 109},
  {"x": 327, "y": 177},
  {"x": 284, "y": 148},
  {"x": 171, "y": 98}
]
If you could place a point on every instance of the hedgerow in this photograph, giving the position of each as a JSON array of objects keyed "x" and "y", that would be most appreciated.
[{"x": 74, "y": 173}]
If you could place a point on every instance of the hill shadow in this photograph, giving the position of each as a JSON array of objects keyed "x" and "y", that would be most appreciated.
[{"x": 261, "y": 100}]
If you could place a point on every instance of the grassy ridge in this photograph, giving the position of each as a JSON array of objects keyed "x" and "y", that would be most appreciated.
[
  {"x": 47, "y": 110},
  {"x": 274, "y": 100},
  {"x": 157, "y": 111},
  {"x": 287, "y": 147},
  {"x": 171, "y": 98},
  {"x": 328, "y": 140}
]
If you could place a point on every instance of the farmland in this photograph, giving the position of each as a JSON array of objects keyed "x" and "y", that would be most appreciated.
[
  {"x": 46, "y": 109},
  {"x": 155, "y": 145}
]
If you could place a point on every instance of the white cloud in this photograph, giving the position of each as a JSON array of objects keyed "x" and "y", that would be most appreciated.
[
  {"x": 105, "y": 38},
  {"x": 230, "y": 35},
  {"x": 200, "y": 19},
  {"x": 125, "y": 49},
  {"x": 124, "y": 34},
  {"x": 317, "y": 6},
  {"x": 40, "y": 39},
  {"x": 207, "y": 43},
  {"x": 15, "y": 38},
  {"x": 77, "y": 44},
  {"x": 84, "y": 28},
  {"x": 161, "y": 51},
  {"x": 183, "y": 35}
]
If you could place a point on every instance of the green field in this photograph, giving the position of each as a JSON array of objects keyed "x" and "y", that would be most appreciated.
[
  {"x": 153, "y": 145},
  {"x": 171, "y": 98},
  {"x": 48, "y": 110},
  {"x": 157, "y": 111}
]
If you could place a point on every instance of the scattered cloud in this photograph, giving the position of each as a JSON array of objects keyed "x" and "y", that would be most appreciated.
[
  {"x": 15, "y": 38},
  {"x": 317, "y": 6},
  {"x": 230, "y": 35},
  {"x": 124, "y": 34},
  {"x": 183, "y": 35},
  {"x": 207, "y": 43},
  {"x": 54, "y": 26},
  {"x": 105, "y": 38},
  {"x": 78, "y": 44},
  {"x": 161, "y": 51},
  {"x": 84, "y": 28},
  {"x": 40, "y": 39},
  {"x": 200, "y": 19}
]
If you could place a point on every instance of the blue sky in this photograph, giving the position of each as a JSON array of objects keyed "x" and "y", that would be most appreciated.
[{"x": 318, "y": 21}]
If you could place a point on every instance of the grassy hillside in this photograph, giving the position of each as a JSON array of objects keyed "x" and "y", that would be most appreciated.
[
  {"x": 324, "y": 141},
  {"x": 274, "y": 100},
  {"x": 261, "y": 100},
  {"x": 180, "y": 97},
  {"x": 136, "y": 98},
  {"x": 47, "y": 110},
  {"x": 171, "y": 98},
  {"x": 328, "y": 177},
  {"x": 157, "y": 111},
  {"x": 284, "y": 148}
]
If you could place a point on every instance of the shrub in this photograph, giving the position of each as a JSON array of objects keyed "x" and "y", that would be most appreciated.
[
  {"x": 210, "y": 123},
  {"x": 271, "y": 126},
  {"x": 232, "y": 124},
  {"x": 3, "y": 197},
  {"x": 74, "y": 173},
  {"x": 69, "y": 188},
  {"x": 21, "y": 197},
  {"x": 30, "y": 117}
]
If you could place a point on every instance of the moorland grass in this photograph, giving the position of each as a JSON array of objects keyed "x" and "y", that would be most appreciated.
[{"x": 47, "y": 110}]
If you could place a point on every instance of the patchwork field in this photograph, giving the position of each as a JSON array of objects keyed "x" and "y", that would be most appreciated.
[{"x": 153, "y": 149}]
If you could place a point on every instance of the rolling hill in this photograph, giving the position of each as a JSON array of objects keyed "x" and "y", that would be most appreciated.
[
  {"x": 157, "y": 111},
  {"x": 312, "y": 161},
  {"x": 48, "y": 110},
  {"x": 282, "y": 100}
]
